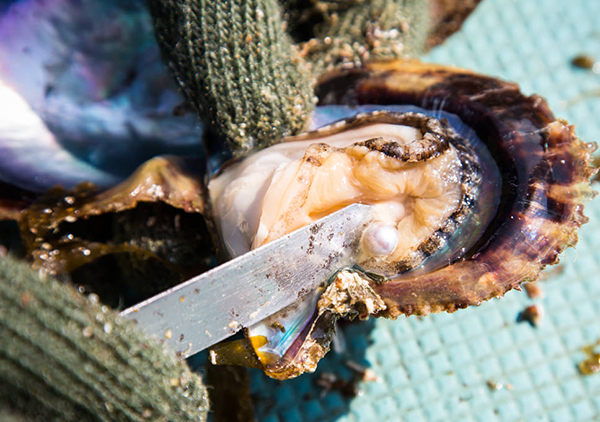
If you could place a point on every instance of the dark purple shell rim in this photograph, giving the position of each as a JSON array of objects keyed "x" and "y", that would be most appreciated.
[{"x": 545, "y": 171}]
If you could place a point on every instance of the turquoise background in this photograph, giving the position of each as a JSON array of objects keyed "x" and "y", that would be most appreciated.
[{"x": 437, "y": 368}]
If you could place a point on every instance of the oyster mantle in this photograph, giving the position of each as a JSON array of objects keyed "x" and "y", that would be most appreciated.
[{"x": 421, "y": 182}]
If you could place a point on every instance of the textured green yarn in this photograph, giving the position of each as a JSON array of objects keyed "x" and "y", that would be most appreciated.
[
  {"x": 237, "y": 66},
  {"x": 357, "y": 31},
  {"x": 65, "y": 356}
]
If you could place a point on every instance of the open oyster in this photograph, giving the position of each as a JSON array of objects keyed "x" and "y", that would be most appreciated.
[{"x": 475, "y": 188}]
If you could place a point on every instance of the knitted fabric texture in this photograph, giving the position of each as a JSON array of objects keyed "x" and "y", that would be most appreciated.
[
  {"x": 237, "y": 66},
  {"x": 355, "y": 32},
  {"x": 65, "y": 356}
]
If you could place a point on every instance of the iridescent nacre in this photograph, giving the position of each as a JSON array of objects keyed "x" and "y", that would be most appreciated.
[{"x": 84, "y": 94}]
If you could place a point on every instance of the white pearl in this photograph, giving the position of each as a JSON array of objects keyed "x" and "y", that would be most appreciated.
[{"x": 380, "y": 239}]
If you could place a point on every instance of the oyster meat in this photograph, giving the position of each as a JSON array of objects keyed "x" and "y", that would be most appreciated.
[{"x": 406, "y": 165}]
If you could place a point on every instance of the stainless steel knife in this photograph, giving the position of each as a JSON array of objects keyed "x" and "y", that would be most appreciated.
[{"x": 215, "y": 305}]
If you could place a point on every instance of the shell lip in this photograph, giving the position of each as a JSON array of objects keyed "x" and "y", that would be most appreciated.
[{"x": 546, "y": 175}]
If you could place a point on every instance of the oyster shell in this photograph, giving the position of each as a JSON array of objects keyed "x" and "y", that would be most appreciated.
[
  {"x": 477, "y": 188},
  {"x": 84, "y": 95}
]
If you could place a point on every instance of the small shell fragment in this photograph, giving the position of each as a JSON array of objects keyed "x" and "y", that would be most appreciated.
[
  {"x": 583, "y": 61},
  {"x": 533, "y": 314},
  {"x": 534, "y": 290}
]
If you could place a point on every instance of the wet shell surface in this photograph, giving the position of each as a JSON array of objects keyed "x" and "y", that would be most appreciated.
[{"x": 476, "y": 189}]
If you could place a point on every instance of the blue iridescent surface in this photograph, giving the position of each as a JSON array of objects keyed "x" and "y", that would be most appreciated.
[{"x": 92, "y": 72}]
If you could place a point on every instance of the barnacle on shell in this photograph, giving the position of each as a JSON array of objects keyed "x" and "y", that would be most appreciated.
[{"x": 476, "y": 189}]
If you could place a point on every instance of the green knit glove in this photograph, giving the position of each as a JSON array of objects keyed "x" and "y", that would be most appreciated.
[
  {"x": 237, "y": 66},
  {"x": 64, "y": 356},
  {"x": 355, "y": 32}
]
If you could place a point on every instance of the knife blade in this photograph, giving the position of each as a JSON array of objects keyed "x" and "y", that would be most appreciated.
[{"x": 218, "y": 303}]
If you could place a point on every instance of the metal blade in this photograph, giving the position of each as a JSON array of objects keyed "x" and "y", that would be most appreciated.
[{"x": 215, "y": 305}]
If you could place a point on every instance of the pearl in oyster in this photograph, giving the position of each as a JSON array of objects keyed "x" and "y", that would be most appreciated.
[{"x": 380, "y": 239}]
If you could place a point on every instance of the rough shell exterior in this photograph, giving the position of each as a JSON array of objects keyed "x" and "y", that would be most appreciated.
[{"x": 546, "y": 179}]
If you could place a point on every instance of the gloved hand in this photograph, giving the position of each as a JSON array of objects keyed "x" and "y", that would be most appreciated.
[{"x": 65, "y": 356}]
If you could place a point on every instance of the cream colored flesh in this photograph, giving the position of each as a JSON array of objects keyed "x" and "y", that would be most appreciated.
[{"x": 289, "y": 185}]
